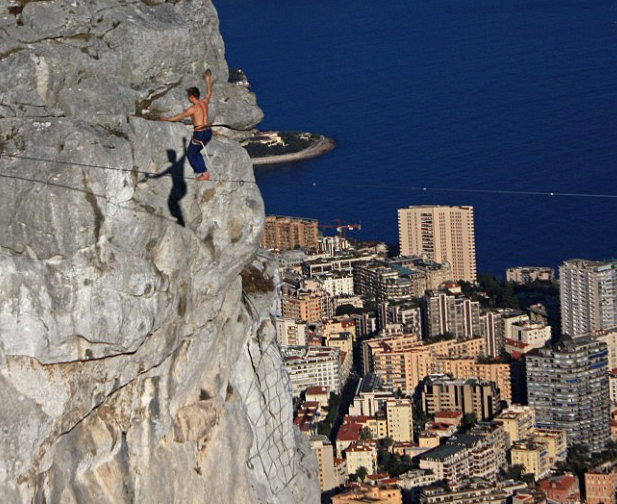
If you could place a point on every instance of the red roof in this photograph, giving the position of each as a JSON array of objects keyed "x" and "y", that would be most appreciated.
[
  {"x": 317, "y": 390},
  {"x": 349, "y": 432},
  {"x": 448, "y": 414},
  {"x": 564, "y": 483},
  {"x": 359, "y": 419}
]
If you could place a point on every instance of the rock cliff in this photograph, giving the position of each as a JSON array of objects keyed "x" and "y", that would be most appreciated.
[{"x": 138, "y": 361}]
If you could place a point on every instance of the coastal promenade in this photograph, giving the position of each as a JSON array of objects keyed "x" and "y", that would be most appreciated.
[{"x": 319, "y": 147}]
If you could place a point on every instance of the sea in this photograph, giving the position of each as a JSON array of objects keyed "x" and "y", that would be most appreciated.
[{"x": 506, "y": 105}]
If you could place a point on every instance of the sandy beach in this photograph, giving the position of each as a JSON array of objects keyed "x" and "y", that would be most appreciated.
[{"x": 318, "y": 148}]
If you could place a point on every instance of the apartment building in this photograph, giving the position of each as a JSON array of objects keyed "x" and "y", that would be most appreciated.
[
  {"x": 485, "y": 459},
  {"x": 403, "y": 362},
  {"x": 366, "y": 323},
  {"x": 338, "y": 325},
  {"x": 518, "y": 422},
  {"x": 441, "y": 234},
  {"x": 406, "y": 314},
  {"x": 568, "y": 387},
  {"x": 373, "y": 494},
  {"x": 337, "y": 283},
  {"x": 400, "y": 419},
  {"x": 361, "y": 455},
  {"x": 320, "y": 395},
  {"x": 322, "y": 447},
  {"x": 435, "y": 273},
  {"x": 527, "y": 335},
  {"x": 376, "y": 424},
  {"x": 610, "y": 338},
  {"x": 313, "y": 366},
  {"x": 448, "y": 462},
  {"x": 288, "y": 233},
  {"x": 412, "y": 482},
  {"x": 468, "y": 367},
  {"x": 442, "y": 392},
  {"x": 463, "y": 456},
  {"x": 379, "y": 281},
  {"x": 533, "y": 456},
  {"x": 527, "y": 274},
  {"x": 601, "y": 485},
  {"x": 308, "y": 306},
  {"x": 495, "y": 436},
  {"x": 476, "y": 494},
  {"x": 588, "y": 296},
  {"x": 555, "y": 441},
  {"x": 370, "y": 396},
  {"x": 492, "y": 329},
  {"x": 562, "y": 489},
  {"x": 290, "y": 332},
  {"x": 320, "y": 265},
  {"x": 446, "y": 313}
]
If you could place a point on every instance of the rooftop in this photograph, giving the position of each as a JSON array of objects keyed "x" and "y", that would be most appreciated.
[{"x": 442, "y": 452}]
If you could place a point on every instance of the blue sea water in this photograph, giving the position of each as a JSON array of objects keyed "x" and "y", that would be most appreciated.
[{"x": 456, "y": 96}]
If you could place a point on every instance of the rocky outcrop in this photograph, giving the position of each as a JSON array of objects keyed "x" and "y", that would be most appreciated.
[{"x": 137, "y": 357}]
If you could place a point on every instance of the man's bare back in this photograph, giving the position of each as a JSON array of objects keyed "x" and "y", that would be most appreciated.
[{"x": 198, "y": 111}]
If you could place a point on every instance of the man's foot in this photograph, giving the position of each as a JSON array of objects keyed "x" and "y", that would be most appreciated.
[{"x": 203, "y": 176}]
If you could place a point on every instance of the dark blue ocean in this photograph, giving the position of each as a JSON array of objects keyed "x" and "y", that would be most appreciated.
[{"x": 456, "y": 96}]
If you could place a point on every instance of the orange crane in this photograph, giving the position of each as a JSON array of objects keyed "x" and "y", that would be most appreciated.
[{"x": 340, "y": 228}]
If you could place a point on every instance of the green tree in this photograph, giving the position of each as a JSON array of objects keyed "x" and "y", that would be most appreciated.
[
  {"x": 513, "y": 472},
  {"x": 362, "y": 473},
  {"x": 386, "y": 443},
  {"x": 469, "y": 420},
  {"x": 577, "y": 461},
  {"x": 393, "y": 463},
  {"x": 366, "y": 434},
  {"x": 420, "y": 417},
  {"x": 347, "y": 309}
]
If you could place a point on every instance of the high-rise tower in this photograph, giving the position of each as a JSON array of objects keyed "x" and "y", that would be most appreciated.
[
  {"x": 568, "y": 387},
  {"x": 588, "y": 293},
  {"x": 441, "y": 233}
]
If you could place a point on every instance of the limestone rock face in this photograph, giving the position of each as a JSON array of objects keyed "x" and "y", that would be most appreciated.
[{"x": 138, "y": 361}]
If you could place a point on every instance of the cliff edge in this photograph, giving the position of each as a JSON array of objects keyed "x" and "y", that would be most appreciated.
[{"x": 138, "y": 361}]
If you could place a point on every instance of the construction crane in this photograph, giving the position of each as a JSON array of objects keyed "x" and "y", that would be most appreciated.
[{"x": 340, "y": 228}]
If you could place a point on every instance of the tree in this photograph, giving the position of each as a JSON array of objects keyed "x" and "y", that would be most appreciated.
[
  {"x": 362, "y": 473},
  {"x": 578, "y": 460},
  {"x": 347, "y": 309},
  {"x": 392, "y": 463},
  {"x": 469, "y": 420},
  {"x": 366, "y": 434},
  {"x": 420, "y": 417},
  {"x": 514, "y": 472}
]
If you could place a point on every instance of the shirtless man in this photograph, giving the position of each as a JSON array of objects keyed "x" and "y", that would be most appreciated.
[{"x": 198, "y": 112}]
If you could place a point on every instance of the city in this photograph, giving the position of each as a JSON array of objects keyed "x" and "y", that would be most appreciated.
[{"x": 416, "y": 380}]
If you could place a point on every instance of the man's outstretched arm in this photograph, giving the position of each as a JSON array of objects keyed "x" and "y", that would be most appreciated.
[{"x": 178, "y": 117}]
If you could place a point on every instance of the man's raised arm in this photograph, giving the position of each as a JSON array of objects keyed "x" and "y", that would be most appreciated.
[{"x": 208, "y": 79}]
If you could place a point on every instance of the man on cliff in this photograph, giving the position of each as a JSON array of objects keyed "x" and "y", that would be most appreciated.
[{"x": 198, "y": 112}]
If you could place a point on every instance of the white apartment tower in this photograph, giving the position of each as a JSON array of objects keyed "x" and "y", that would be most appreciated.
[
  {"x": 588, "y": 294},
  {"x": 441, "y": 234}
]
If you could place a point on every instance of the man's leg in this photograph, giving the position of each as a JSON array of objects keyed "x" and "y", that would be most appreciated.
[{"x": 196, "y": 160}]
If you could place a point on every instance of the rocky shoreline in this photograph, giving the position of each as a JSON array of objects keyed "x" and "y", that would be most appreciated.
[{"x": 319, "y": 147}]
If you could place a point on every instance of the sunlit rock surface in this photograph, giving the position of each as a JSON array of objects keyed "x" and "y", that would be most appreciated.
[{"x": 138, "y": 361}]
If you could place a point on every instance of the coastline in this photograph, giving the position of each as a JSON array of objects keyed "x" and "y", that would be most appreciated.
[{"x": 321, "y": 146}]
